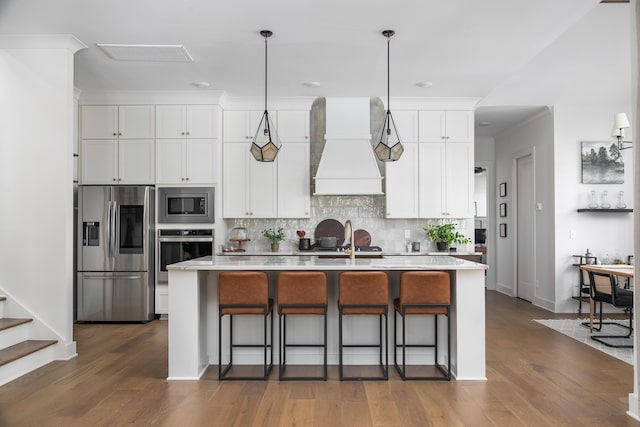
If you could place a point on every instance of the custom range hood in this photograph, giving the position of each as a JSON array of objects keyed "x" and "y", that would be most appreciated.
[{"x": 348, "y": 164}]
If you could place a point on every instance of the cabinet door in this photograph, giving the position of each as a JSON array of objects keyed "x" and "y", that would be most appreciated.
[
  {"x": 99, "y": 122},
  {"x": 294, "y": 193},
  {"x": 459, "y": 126},
  {"x": 431, "y": 180},
  {"x": 431, "y": 126},
  {"x": 236, "y": 126},
  {"x": 401, "y": 184},
  {"x": 235, "y": 181},
  {"x": 99, "y": 161},
  {"x": 202, "y": 121},
  {"x": 459, "y": 179},
  {"x": 241, "y": 126},
  {"x": 263, "y": 189},
  {"x": 407, "y": 125},
  {"x": 293, "y": 126},
  {"x": 171, "y": 121},
  {"x": 136, "y": 161},
  {"x": 137, "y": 121},
  {"x": 171, "y": 161},
  {"x": 201, "y": 161}
]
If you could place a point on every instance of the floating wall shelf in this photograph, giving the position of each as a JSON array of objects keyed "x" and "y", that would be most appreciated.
[{"x": 605, "y": 210}]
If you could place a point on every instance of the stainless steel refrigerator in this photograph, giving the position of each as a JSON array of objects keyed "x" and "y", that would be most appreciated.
[{"x": 116, "y": 253}]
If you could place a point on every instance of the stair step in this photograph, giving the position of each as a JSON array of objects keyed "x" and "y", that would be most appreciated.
[
  {"x": 7, "y": 322},
  {"x": 22, "y": 349}
]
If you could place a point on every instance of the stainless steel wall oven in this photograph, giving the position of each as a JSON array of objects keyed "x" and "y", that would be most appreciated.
[{"x": 181, "y": 245}]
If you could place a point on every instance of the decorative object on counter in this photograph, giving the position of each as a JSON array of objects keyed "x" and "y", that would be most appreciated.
[
  {"x": 503, "y": 209},
  {"x": 445, "y": 235},
  {"x": 415, "y": 247},
  {"x": 274, "y": 236},
  {"x": 266, "y": 143},
  {"x": 621, "y": 204},
  {"x": 330, "y": 228},
  {"x": 389, "y": 147},
  {"x": 237, "y": 235},
  {"x": 604, "y": 200},
  {"x": 593, "y": 202},
  {"x": 620, "y": 123},
  {"x": 305, "y": 243},
  {"x": 503, "y": 230},
  {"x": 362, "y": 237},
  {"x": 602, "y": 163},
  {"x": 503, "y": 189}
]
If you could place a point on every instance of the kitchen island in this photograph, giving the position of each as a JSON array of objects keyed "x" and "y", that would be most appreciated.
[{"x": 193, "y": 311}]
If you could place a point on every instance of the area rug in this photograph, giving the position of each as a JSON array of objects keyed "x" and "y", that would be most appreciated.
[{"x": 574, "y": 329}]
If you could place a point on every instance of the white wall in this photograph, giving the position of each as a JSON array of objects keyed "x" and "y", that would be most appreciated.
[
  {"x": 535, "y": 135},
  {"x": 485, "y": 155},
  {"x": 600, "y": 232},
  {"x": 36, "y": 177}
]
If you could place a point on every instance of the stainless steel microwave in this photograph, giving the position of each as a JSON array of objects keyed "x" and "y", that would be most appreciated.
[{"x": 186, "y": 205}]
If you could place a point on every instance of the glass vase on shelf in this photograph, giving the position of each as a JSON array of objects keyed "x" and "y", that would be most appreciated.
[
  {"x": 621, "y": 204},
  {"x": 604, "y": 201},
  {"x": 593, "y": 203}
]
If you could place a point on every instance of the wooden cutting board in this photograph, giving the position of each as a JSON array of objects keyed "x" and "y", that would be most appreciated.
[
  {"x": 330, "y": 228},
  {"x": 362, "y": 238}
]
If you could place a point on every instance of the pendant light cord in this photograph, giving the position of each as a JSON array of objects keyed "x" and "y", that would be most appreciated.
[
  {"x": 265, "y": 73},
  {"x": 388, "y": 77}
]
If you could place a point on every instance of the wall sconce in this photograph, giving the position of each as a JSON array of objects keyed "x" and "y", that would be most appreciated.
[{"x": 620, "y": 123}]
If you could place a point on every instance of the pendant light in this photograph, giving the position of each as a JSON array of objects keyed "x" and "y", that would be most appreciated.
[
  {"x": 389, "y": 148},
  {"x": 265, "y": 144}
]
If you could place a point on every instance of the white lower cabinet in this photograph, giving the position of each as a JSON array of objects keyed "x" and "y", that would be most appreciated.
[
  {"x": 249, "y": 188},
  {"x": 162, "y": 299},
  {"x": 431, "y": 180}
]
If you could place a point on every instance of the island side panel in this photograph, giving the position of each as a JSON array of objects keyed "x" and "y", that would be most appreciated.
[
  {"x": 187, "y": 331},
  {"x": 468, "y": 361}
]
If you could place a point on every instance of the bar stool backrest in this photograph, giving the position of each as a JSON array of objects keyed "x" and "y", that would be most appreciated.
[
  {"x": 243, "y": 287},
  {"x": 425, "y": 287},
  {"x": 363, "y": 288},
  {"x": 302, "y": 287}
]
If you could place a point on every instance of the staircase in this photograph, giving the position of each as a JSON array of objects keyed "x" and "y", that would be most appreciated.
[{"x": 19, "y": 354}]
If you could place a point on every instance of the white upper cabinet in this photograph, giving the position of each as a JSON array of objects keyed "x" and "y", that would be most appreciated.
[
  {"x": 186, "y": 140},
  {"x": 407, "y": 125},
  {"x": 241, "y": 126},
  {"x": 117, "y": 144},
  {"x": 453, "y": 126},
  {"x": 186, "y": 121},
  {"x": 294, "y": 191},
  {"x": 99, "y": 122},
  {"x": 401, "y": 184},
  {"x": 293, "y": 126},
  {"x": 249, "y": 188}
]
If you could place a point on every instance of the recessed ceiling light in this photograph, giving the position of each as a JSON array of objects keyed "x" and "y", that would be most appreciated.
[
  {"x": 484, "y": 124},
  {"x": 311, "y": 84},
  {"x": 201, "y": 85},
  {"x": 424, "y": 84}
]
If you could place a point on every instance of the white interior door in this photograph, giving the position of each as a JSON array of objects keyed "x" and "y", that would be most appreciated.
[{"x": 525, "y": 228}]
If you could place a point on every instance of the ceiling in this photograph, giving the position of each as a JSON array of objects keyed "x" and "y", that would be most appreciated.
[{"x": 465, "y": 48}]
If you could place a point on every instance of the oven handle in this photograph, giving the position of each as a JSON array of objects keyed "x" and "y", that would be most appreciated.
[{"x": 185, "y": 239}]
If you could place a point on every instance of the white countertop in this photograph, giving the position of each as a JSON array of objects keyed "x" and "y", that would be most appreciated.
[
  {"x": 276, "y": 263},
  {"x": 336, "y": 253}
]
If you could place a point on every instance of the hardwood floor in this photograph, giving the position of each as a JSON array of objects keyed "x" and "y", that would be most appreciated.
[{"x": 536, "y": 377}]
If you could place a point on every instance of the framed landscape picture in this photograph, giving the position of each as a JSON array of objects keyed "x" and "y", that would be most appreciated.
[{"x": 602, "y": 163}]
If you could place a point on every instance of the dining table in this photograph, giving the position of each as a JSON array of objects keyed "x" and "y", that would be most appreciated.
[{"x": 620, "y": 270}]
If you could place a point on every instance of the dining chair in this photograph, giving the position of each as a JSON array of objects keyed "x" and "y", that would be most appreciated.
[{"x": 605, "y": 289}]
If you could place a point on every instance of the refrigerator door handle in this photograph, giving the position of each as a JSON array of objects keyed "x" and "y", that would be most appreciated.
[
  {"x": 109, "y": 252},
  {"x": 114, "y": 232},
  {"x": 111, "y": 276}
]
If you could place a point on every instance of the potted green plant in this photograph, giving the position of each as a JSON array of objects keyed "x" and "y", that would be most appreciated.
[
  {"x": 274, "y": 236},
  {"x": 445, "y": 235}
]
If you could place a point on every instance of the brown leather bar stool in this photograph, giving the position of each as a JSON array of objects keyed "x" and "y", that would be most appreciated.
[
  {"x": 364, "y": 293},
  {"x": 423, "y": 293},
  {"x": 301, "y": 293},
  {"x": 244, "y": 293}
]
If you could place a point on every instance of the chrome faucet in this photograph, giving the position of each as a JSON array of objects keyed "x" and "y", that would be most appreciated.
[{"x": 352, "y": 245}]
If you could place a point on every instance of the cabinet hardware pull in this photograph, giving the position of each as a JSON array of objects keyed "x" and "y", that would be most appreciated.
[
  {"x": 181, "y": 133},
  {"x": 119, "y": 133},
  {"x": 114, "y": 134}
]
